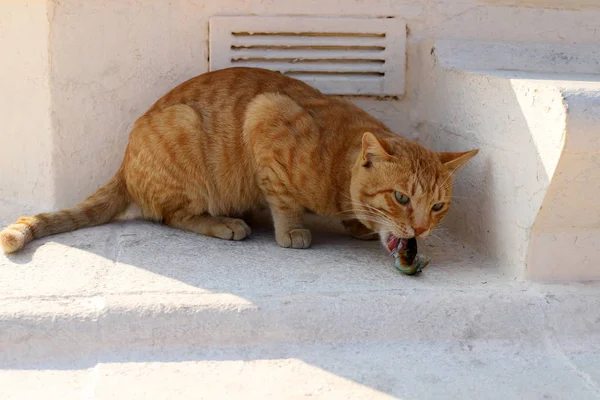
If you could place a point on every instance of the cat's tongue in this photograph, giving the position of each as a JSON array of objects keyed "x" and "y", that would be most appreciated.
[{"x": 395, "y": 244}]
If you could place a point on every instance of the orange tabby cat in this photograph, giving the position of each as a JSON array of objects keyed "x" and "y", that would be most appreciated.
[{"x": 228, "y": 142}]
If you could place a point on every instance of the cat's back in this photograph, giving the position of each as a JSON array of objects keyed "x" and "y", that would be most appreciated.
[{"x": 232, "y": 89}]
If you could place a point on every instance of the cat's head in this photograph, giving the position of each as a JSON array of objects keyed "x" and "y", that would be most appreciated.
[{"x": 402, "y": 190}]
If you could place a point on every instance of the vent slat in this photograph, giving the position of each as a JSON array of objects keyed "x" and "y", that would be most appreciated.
[
  {"x": 307, "y": 41},
  {"x": 308, "y": 54},
  {"x": 311, "y": 34},
  {"x": 317, "y": 67},
  {"x": 343, "y": 85},
  {"x": 308, "y": 61},
  {"x": 348, "y": 56}
]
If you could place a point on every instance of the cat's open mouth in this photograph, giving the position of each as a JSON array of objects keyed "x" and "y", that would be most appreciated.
[{"x": 396, "y": 244}]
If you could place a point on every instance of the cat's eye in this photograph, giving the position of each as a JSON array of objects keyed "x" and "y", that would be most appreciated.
[
  {"x": 401, "y": 198},
  {"x": 437, "y": 206}
]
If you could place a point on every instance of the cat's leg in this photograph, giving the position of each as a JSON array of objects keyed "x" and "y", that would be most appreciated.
[
  {"x": 220, "y": 227},
  {"x": 272, "y": 127},
  {"x": 288, "y": 216},
  {"x": 359, "y": 231},
  {"x": 288, "y": 223},
  {"x": 287, "y": 213}
]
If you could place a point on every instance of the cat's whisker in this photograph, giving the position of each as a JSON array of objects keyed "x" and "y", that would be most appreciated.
[
  {"x": 366, "y": 213},
  {"x": 441, "y": 229},
  {"x": 373, "y": 214},
  {"x": 346, "y": 212},
  {"x": 365, "y": 205},
  {"x": 436, "y": 237},
  {"x": 362, "y": 207},
  {"x": 451, "y": 175},
  {"x": 385, "y": 224},
  {"x": 373, "y": 211},
  {"x": 368, "y": 206},
  {"x": 383, "y": 221},
  {"x": 453, "y": 181},
  {"x": 374, "y": 218}
]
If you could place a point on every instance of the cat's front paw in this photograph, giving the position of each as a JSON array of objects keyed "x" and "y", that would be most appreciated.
[{"x": 295, "y": 239}]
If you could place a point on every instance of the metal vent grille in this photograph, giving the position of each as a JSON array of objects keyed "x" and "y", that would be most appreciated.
[{"x": 342, "y": 56}]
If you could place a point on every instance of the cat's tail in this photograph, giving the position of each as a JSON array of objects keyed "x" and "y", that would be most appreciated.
[{"x": 101, "y": 207}]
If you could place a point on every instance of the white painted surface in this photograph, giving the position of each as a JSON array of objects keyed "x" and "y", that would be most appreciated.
[
  {"x": 565, "y": 240},
  {"x": 99, "y": 87},
  {"x": 26, "y": 143},
  {"x": 531, "y": 57},
  {"x": 532, "y": 129},
  {"x": 109, "y": 312},
  {"x": 441, "y": 370}
]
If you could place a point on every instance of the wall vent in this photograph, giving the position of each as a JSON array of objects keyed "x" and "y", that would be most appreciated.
[{"x": 341, "y": 56}]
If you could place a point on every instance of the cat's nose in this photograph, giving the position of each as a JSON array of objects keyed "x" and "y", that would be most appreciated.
[{"x": 419, "y": 230}]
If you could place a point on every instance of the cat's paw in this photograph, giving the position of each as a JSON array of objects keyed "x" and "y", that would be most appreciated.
[
  {"x": 295, "y": 239},
  {"x": 233, "y": 229}
]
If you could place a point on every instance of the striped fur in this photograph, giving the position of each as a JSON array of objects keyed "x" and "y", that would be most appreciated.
[
  {"x": 232, "y": 141},
  {"x": 100, "y": 208}
]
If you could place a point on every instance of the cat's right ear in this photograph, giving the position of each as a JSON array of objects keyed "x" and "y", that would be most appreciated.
[
  {"x": 374, "y": 149},
  {"x": 454, "y": 161}
]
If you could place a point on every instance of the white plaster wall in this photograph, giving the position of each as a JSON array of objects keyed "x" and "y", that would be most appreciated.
[
  {"x": 565, "y": 240},
  {"x": 26, "y": 175},
  {"x": 556, "y": 4},
  {"x": 112, "y": 59},
  {"x": 518, "y": 125}
]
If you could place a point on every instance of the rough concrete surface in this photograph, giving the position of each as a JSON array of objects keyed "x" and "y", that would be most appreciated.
[
  {"x": 408, "y": 371},
  {"x": 134, "y": 309}
]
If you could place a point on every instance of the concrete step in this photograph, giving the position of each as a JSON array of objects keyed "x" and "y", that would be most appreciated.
[
  {"x": 137, "y": 285},
  {"x": 407, "y": 370}
]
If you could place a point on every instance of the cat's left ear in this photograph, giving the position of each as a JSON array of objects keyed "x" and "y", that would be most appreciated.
[
  {"x": 374, "y": 149},
  {"x": 454, "y": 161}
]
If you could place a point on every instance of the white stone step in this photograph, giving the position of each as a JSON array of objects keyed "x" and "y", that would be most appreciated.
[
  {"x": 137, "y": 285},
  {"x": 406, "y": 370}
]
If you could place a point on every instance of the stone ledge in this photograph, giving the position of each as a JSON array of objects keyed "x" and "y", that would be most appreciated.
[
  {"x": 113, "y": 288},
  {"x": 484, "y": 369},
  {"x": 536, "y": 130}
]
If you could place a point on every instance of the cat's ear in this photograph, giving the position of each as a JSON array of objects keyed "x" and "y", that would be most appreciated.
[
  {"x": 454, "y": 161},
  {"x": 374, "y": 149}
]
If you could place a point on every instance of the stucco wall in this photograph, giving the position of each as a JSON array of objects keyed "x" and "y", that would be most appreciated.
[
  {"x": 556, "y": 4},
  {"x": 26, "y": 174},
  {"x": 112, "y": 59},
  {"x": 565, "y": 240}
]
